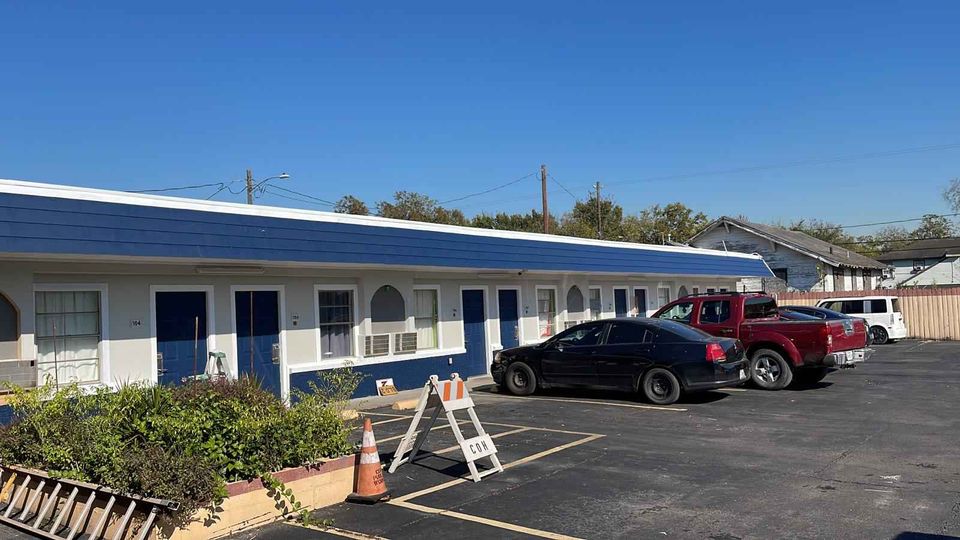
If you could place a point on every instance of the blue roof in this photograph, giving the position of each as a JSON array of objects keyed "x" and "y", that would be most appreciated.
[{"x": 47, "y": 219}]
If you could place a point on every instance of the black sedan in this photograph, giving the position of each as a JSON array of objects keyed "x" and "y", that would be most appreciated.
[
  {"x": 658, "y": 358},
  {"x": 791, "y": 312}
]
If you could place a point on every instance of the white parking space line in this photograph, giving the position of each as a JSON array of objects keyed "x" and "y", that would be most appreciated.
[
  {"x": 607, "y": 403},
  {"x": 398, "y": 419},
  {"x": 444, "y": 426},
  {"x": 732, "y": 390},
  {"x": 457, "y": 481},
  {"x": 339, "y": 532},
  {"x": 483, "y": 521}
]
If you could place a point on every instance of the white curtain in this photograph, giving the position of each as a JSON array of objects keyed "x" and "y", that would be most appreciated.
[
  {"x": 426, "y": 318},
  {"x": 68, "y": 336}
]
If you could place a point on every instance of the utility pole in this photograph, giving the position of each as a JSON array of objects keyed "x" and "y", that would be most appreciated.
[
  {"x": 599, "y": 217},
  {"x": 543, "y": 190},
  {"x": 249, "y": 186}
]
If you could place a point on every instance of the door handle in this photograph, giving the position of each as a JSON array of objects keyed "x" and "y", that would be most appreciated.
[
  {"x": 160, "y": 369},
  {"x": 275, "y": 353}
]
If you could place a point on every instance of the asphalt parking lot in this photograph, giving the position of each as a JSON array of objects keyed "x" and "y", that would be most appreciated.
[{"x": 868, "y": 453}]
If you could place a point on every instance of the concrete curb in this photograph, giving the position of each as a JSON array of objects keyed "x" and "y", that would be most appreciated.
[{"x": 400, "y": 401}]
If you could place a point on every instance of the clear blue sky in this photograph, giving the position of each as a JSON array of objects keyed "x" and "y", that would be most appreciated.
[{"x": 448, "y": 98}]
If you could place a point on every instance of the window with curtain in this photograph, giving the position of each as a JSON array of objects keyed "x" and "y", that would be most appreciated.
[
  {"x": 663, "y": 296},
  {"x": 426, "y": 318},
  {"x": 68, "y": 336},
  {"x": 546, "y": 312},
  {"x": 336, "y": 323},
  {"x": 596, "y": 307}
]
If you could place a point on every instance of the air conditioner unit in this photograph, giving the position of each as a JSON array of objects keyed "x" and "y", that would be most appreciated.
[
  {"x": 376, "y": 345},
  {"x": 405, "y": 342}
]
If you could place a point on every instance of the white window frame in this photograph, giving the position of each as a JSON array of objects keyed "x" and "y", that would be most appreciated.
[
  {"x": 591, "y": 288},
  {"x": 632, "y": 301},
  {"x": 670, "y": 294},
  {"x": 556, "y": 310},
  {"x": 208, "y": 290},
  {"x": 413, "y": 316},
  {"x": 104, "y": 345},
  {"x": 354, "y": 331},
  {"x": 234, "y": 362},
  {"x": 519, "y": 289}
]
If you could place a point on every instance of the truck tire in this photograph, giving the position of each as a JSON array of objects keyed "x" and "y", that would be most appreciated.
[
  {"x": 520, "y": 380},
  {"x": 769, "y": 370},
  {"x": 659, "y": 386},
  {"x": 880, "y": 335},
  {"x": 810, "y": 376}
]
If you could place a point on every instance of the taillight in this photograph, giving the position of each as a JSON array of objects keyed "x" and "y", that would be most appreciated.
[
  {"x": 828, "y": 336},
  {"x": 715, "y": 353}
]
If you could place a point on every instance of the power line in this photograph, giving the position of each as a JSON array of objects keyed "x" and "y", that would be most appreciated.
[
  {"x": 563, "y": 187},
  {"x": 224, "y": 186},
  {"x": 788, "y": 164},
  {"x": 303, "y": 201},
  {"x": 837, "y": 227},
  {"x": 181, "y": 188},
  {"x": 477, "y": 194},
  {"x": 314, "y": 200}
]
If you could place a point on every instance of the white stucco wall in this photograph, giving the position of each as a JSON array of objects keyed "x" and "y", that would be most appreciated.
[{"x": 129, "y": 352}]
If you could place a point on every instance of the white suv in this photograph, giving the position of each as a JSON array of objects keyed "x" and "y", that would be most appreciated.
[{"x": 882, "y": 314}]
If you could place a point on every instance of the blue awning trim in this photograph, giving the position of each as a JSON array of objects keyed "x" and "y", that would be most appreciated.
[{"x": 59, "y": 225}]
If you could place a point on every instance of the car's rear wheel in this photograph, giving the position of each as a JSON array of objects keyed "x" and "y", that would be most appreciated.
[
  {"x": 520, "y": 379},
  {"x": 660, "y": 386},
  {"x": 810, "y": 376},
  {"x": 769, "y": 370},
  {"x": 880, "y": 335}
]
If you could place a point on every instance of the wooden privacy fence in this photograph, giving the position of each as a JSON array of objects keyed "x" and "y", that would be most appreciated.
[{"x": 932, "y": 313}]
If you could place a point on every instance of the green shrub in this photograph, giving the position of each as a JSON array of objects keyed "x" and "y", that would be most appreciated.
[{"x": 180, "y": 443}]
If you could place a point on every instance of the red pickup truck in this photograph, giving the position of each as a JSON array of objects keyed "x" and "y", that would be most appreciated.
[{"x": 780, "y": 351}]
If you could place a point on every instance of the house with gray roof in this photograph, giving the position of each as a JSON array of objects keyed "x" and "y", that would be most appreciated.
[
  {"x": 798, "y": 260},
  {"x": 931, "y": 262}
]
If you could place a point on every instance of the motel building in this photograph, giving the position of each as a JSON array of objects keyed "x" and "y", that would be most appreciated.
[{"x": 104, "y": 287}]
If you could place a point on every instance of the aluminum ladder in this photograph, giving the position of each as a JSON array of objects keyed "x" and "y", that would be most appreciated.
[{"x": 32, "y": 501}]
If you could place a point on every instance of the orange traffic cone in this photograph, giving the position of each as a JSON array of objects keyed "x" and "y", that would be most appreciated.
[{"x": 370, "y": 485}]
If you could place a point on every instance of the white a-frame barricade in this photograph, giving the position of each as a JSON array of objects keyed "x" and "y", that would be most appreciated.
[{"x": 447, "y": 397}]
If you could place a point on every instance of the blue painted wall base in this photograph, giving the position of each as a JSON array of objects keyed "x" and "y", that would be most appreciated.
[{"x": 407, "y": 375}]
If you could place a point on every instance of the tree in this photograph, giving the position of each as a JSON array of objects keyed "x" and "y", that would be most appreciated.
[
  {"x": 419, "y": 207},
  {"x": 824, "y": 230},
  {"x": 952, "y": 194},
  {"x": 582, "y": 220},
  {"x": 348, "y": 204},
  {"x": 530, "y": 222},
  {"x": 660, "y": 224},
  {"x": 882, "y": 241},
  {"x": 933, "y": 226}
]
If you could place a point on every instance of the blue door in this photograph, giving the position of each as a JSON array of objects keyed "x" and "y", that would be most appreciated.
[
  {"x": 620, "y": 302},
  {"x": 509, "y": 318},
  {"x": 474, "y": 333},
  {"x": 258, "y": 336},
  {"x": 181, "y": 335}
]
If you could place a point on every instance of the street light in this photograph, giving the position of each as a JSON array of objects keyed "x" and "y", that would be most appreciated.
[{"x": 251, "y": 188}]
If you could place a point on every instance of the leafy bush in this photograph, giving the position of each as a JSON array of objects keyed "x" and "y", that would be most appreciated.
[{"x": 180, "y": 443}]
